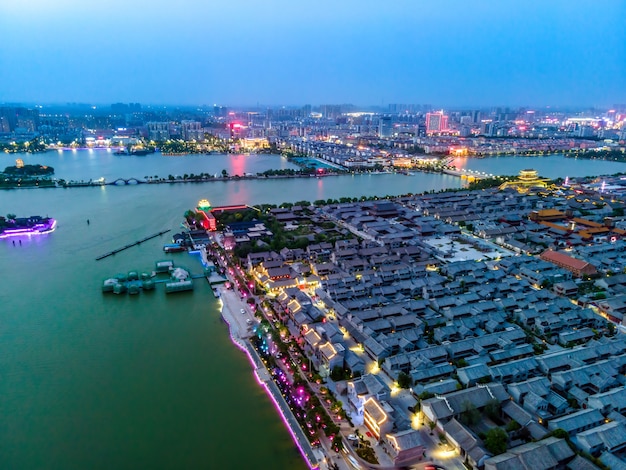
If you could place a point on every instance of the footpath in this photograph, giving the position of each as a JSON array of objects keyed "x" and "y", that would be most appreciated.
[{"x": 240, "y": 330}]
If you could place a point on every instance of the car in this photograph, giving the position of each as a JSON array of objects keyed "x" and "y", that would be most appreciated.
[
  {"x": 249, "y": 322},
  {"x": 353, "y": 437},
  {"x": 242, "y": 311}
]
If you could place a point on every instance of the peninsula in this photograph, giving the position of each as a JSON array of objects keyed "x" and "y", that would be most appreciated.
[{"x": 387, "y": 322}]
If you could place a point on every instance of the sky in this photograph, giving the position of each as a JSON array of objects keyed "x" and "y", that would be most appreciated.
[{"x": 294, "y": 52}]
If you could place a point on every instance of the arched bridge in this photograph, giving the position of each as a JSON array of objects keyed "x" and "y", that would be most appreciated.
[{"x": 121, "y": 181}]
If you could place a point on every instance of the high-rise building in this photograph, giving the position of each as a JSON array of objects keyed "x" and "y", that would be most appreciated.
[
  {"x": 466, "y": 120},
  {"x": 13, "y": 118},
  {"x": 192, "y": 130},
  {"x": 436, "y": 122},
  {"x": 158, "y": 131},
  {"x": 385, "y": 126}
]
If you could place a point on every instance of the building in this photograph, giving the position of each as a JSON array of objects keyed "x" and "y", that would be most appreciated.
[
  {"x": 546, "y": 454},
  {"x": 376, "y": 418},
  {"x": 578, "y": 267},
  {"x": 526, "y": 180},
  {"x": 385, "y": 126},
  {"x": 361, "y": 389},
  {"x": 405, "y": 447},
  {"x": 192, "y": 130},
  {"x": 158, "y": 131},
  {"x": 436, "y": 122}
]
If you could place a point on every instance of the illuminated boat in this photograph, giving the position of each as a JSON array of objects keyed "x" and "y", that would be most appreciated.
[{"x": 34, "y": 225}]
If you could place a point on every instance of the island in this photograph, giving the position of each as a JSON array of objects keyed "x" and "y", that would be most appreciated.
[{"x": 22, "y": 170}]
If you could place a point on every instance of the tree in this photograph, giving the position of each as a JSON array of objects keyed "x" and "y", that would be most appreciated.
[
  {"x": 431, "y": 425},
  {"x": 470, "y": 414},
  {"x": 337, "y": 373},
  {"x": 404, "y": 380},
  {"x": 611, "y": 327},
  {"x": 224, "y": 173},
  {"x": 492, "y": 409},
  {"x": 496, "y": 440},
  {"x": 513, "y": 425}
]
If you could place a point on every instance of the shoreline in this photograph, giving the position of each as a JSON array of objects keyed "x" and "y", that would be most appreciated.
[
  {"x": 261, "y": 374},
  {"x": 134, "y": 182}
]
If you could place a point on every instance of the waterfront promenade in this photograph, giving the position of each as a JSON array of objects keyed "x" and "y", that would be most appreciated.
[{"x": 240, "y": 331}]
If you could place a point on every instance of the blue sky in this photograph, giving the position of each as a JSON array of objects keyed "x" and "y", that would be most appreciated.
[{"x": 237, "y": 52}]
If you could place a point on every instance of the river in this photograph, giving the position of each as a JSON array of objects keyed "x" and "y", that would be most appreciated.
[
  {"x": 553, "y": 166},
  {"x": 152, "y": 381}
]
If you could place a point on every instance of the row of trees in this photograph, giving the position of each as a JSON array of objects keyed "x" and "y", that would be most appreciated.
[{"x": 30, "y": 146}]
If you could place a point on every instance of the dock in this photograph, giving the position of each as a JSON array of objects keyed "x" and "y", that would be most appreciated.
[{"x": 130, "y": 245}]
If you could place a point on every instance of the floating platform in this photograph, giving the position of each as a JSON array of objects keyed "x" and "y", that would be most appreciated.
[
  {"x": 180, "y": 280},
  {"x": 164, "y": 266},
  {"x": 178, "y": 286}
]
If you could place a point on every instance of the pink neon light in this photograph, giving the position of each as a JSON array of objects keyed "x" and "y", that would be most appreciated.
[
  {"x": 38, "y": 229},
  {"x": 269, "y": 393}
]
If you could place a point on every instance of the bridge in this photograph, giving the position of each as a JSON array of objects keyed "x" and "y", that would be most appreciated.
[{"x": 124, "y": 181}]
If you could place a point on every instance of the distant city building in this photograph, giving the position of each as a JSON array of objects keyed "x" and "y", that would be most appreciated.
[
  {"x": 158, "y": 131},
  {"x": 488, "y": 128},
  {"x": 465, "y": 131},
  {"x": 18, "y": 118},
  {"x": 123, "y": 108},
  {"x": 385, "y": 126},
  {"x": 220, "y": 111},
  {"x": 475, "y": 117},
  {"x": 192, "y": 130},
  {"x": 586, "y": 131},
  {"x": 466, "y": 120},
  {"x": 436, "y": 122}
]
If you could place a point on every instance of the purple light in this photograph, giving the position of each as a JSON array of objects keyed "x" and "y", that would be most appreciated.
[
  {"x": 37, "y": 229},
  {"x": 239, "y": 345}
]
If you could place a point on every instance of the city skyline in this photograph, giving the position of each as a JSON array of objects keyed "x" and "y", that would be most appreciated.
[{"x": 457, "y": 55}]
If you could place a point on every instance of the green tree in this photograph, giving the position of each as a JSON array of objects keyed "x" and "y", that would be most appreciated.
[
  {"x": 496, "y": 440},
  {"x": 337, "y": 373},
  {"x": 224, "y": 173},
  {"x": 512, "y": 426},
  {"x": 492, "y": 409},
  {"x": 560, "y": 433},
  {"x": 404, "y": 380},
  {"x": 470, "y": 415},
  {"x": 431, "y": 426}
]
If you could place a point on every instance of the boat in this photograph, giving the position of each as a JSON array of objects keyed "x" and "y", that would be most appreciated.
[
  {"x": 133, "y": 152},
  {"x": 140, "y": 153},
  {"x": 174, "y": 248},
  {"x": 27, "y": 226},
  {"x": 109, "y": 284},
  {"x": 119, "y": 288}
]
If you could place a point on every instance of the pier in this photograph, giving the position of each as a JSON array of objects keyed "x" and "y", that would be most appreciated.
[{"x": 130, "y": 245}]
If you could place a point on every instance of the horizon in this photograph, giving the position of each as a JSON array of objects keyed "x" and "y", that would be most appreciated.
[{"x": 374, "y": 108}]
